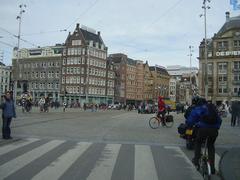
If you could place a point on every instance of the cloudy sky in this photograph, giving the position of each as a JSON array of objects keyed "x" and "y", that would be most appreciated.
[{"x": 155, "y": 30}]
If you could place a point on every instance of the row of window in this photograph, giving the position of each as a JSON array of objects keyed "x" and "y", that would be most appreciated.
[
  {"x": 74, "y": 60},
  {"x": 223, "y": 78},
  {"x": 96, "y": 53},
  {"x": 36, "y": 85},
  {"x": 73, "y": 80},
  {"x": 222, "y": 67},
  {"x": 96, "y": 91},
  {"x": 91, "y": 91},
  {"x": 82, "y": 51},
  {"x": 97, "y": 81},
  {"x": 4, "y": 80},
  {"x": 73, "y": 70},
  {"x": 74, "y": 89},
  {"x": 40, "y": 64},
  {"x": 225, "y": 44},
  {"x": 42, "y": 74},
  {"x": 97, "y": 72},
  {"x": 97, "y": 63}
]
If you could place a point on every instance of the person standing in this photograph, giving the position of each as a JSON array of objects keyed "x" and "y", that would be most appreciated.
[{"x": 8, "y": 112}]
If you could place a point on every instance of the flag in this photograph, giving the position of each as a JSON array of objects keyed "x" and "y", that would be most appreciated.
[{"x": 235, "y": 4}]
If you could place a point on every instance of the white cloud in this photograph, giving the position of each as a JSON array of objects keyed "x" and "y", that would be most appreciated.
[{"x": 153, "y": 30}]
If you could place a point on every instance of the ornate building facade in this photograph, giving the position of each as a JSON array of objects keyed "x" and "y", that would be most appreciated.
[{"x": 223, "y": 72}]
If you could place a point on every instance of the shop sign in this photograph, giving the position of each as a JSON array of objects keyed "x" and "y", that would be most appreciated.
[{"x": 228, "y": 53}]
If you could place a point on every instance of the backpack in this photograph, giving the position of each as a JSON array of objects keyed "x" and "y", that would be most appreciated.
[{"x": 211, "y": 117}]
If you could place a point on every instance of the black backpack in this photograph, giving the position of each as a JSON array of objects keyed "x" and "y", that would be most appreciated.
[{"x": 211, "y": 117}]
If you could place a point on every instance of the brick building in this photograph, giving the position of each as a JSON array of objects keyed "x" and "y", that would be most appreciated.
[{"x": 86, "y": 75}]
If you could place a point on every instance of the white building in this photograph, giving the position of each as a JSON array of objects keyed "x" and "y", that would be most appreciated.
[
  {"x": 173, "y": 89},
  {"x": 178, "y": 71},
  {"x": 5, "y": 73}
]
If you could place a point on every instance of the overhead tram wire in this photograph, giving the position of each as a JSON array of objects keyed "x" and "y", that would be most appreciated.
[
  {"x": 83, "y": 13},
  {"x": 67, "y": 28},
  {"x": 45, "y": 32},
  {"x": 160, "y": 17},
  {"x": 7, "y": 44},
  {"x": 3, "y": 29}
]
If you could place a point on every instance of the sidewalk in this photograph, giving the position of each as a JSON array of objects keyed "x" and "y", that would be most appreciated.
[{"x": 230, "y": 165}]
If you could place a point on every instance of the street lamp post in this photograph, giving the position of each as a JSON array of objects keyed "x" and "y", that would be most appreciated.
[
  {"x": 205, "y": 7},
  {"x": 19, "y": 17}
]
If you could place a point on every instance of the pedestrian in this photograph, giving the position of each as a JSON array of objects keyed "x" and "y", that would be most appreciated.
[
  {"x": 234, "y": 111},
  {"x": 8, "y": 112}
]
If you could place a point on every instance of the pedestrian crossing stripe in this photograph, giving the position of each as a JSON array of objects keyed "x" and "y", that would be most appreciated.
[
  {"x": 16, "y": 164},
  {"x": 12, "y": 147},
  {"x": 143, "y": 161},
  {"x": 56, "y": 169}
]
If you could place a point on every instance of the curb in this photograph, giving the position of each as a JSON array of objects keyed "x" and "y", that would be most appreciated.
[
  {"x": 220, "y": 164},
  {"x": 6, "y": 142}
]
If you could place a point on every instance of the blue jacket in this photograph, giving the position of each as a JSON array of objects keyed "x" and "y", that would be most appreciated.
[
  {"x": 8, "y": 109},
  {"x": 196, "y": 115}
]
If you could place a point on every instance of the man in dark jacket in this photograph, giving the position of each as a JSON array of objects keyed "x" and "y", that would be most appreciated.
[
  {"x": 8, "y": 112},
  {"x": 206, "y": 119}
]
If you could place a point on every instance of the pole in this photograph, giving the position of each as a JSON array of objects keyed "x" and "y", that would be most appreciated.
[
  {"x": 19, "y": 17},
  {"x": 205, "y": 47},
  {"x": 87, "y": 78}
]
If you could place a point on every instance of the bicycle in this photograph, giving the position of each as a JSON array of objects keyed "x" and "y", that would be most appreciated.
[
  {"x": 154, "y": 122},
  {"x": 204, "y": 163}
]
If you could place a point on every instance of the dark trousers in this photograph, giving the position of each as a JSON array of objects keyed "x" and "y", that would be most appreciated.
[
  {"x": 6, "y": 131},
  {"x": 202, "y": 134},
  {"x": 233, "y": 119}
]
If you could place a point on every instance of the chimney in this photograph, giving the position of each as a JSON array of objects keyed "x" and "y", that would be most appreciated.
[
  {"x": 98, "y": 33},
  {"x": 77, "y": 27},
  {"x": 227, "y": 16}
]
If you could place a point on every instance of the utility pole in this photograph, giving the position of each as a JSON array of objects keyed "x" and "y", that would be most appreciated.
[
  {"x": 87, "y": 78},
  {"x": 19, "y": 18},
  {"x": 205, "y": 7},
  {"x": 190, "y": 55}
]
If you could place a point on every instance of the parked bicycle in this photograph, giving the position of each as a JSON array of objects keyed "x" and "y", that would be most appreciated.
[
  {"x": 154, "y": 122},
  {"x": 204, "y": 163}
]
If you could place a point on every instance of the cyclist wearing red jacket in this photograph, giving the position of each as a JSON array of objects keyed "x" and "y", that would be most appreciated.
[{"x": 161, "y": 107}]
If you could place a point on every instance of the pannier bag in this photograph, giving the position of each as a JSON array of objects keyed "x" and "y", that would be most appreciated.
[
  {"x": 169, "y": 118},
  {"x": 182, "y": 129}
]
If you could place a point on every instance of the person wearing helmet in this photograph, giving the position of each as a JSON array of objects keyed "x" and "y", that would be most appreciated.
[
  {"x": 161, "y": 108},
  {"x": 207, "y": 122}
]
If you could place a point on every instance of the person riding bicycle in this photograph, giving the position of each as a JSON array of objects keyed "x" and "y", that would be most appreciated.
[
  {"x": 207, "y": 122},
  {"x": 161, "y": 109}
]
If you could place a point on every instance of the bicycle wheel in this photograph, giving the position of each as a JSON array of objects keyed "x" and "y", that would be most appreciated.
[
  {"x": 154, "y": 123},
  {"x": 205, "y": 169},
  {"x": 168, "y": 122}
]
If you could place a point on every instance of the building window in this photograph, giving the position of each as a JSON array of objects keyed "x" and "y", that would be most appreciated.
[
  {"x": 222, "y": 45},
  {"x": 222, "y": 78},
  {"x": 236, "y": 43},
  {"x": 222, "y": 89},
  {"x": 222, "y": 68},
  {"x": 76, "y": 42},
  {"x": 236, "y": 65}
]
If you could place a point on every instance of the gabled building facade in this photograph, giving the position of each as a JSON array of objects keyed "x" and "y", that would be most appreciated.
[{"x": 85, "y": 77}]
